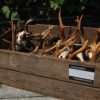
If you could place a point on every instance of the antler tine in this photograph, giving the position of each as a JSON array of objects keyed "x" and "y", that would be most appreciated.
[
  {"x": 67, "y": 45},
  {"x": 63, "y": 43},
  {"x": 61, "y": 26},
  {"x": 53, "y": 47},
  {"x": 26, "y": 24},
  {"x": 79, "y": 20},
  {"x": 95, "y": 48},
  {"x": 78, "y": 51},
  {"x": 71, "y": 38},
  {"x": 58, "y": 44},
  {"x": 79, "y": 28},
  {"x": 47, "y": 30}
]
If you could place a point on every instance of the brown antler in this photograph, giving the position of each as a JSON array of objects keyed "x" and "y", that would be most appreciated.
[
  {"x": 61, "y": 26},
  {"x": 63, "y": 43},
  {"x": 67, "y": 45},
  {"x": 95, "y": 47},
  {"x": 78, "y": 51},
  {"x": 42, "y": 37},
  {"x": 47, "y": 31},
  {"x": 79, "y": 20},
  {"x": 80, "y": 30}
]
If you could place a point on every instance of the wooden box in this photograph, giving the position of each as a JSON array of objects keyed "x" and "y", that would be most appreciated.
[{"x": 60, "y": 78}]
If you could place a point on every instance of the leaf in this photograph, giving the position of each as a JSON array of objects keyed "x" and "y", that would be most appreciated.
[
  {"x": 60, "y": 2},
  {"x": 15, "y": 16},
  {"x": 6, "y": 11},
  {"x": 54, "y": 4}
]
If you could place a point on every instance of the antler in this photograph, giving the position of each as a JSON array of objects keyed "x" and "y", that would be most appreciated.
[
  {"x": 62, "y": 43},
  {"x": 47, "y": 31},
  {"x": 61, "y": 26},
  {"x": 79, "y": 28},
  {"x": 95, "y": 47},
  {"x": 26, "y": 24},
  {"x": 67, "y": 45},
  {"x": 78, "y": 51}
]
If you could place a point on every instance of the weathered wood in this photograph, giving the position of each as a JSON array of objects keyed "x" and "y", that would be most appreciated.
[
  {"x": 45, "y": 66},
  {"x": 48, "y": 86}
]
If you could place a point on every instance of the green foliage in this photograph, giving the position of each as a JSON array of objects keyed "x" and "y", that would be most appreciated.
[
  {"x": 11, "y": 8},
  {"x": 15, "y": 16},
  {"x": 6, "y": 11},
  {"x": 56, "y": 3}
]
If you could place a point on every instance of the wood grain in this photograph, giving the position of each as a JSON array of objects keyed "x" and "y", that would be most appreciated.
[
  {"x": 45, "y": 66},
  {"x": 51, "y": 87}
]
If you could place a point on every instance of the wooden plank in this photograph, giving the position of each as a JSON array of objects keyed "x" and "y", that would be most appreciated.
[
  {"x": 55, "y": 88},
  {"x": 45, "y": 66}
]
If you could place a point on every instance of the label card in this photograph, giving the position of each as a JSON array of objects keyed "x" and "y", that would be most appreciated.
[{"x": 80, "y": 73}]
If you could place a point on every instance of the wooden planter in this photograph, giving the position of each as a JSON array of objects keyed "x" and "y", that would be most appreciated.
[{"x": 60, "y": 78}]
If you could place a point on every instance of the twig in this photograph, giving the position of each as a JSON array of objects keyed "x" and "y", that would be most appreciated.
[
  {"x": 6, "y": 41},
  {"x": 13, "y": 36},
  {"x": 5, "y": 32}
]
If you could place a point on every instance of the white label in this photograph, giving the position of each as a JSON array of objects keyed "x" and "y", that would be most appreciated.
[{"x": 81, "y": 74}]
